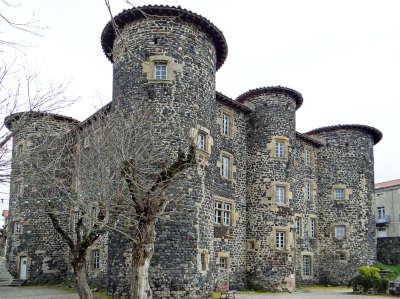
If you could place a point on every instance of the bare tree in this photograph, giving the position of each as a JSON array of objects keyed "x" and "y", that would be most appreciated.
[{"x": 110, "y": 173}]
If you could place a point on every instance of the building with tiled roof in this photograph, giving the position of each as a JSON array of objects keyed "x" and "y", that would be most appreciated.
[{"x": 266, "y": 207}]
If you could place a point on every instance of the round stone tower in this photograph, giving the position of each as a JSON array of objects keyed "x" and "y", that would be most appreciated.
[
  {"x": 270, "y": 215},
  {"x": 164, "y": 64},
  {"x": 36, "y": 253},
  {"x": 345, "y": 200}
]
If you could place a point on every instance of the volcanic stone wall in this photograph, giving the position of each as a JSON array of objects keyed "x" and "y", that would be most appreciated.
[
  {"x": 304, "y": 205},
  {"x": 346, "y": 161},
  {"x": 36, "y": 240},
  {"x": 273, "y": 117},
  {"x": 178, "y": 108}
]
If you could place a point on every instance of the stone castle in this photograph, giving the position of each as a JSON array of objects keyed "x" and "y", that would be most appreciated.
[{"x": 275, "y": 208}]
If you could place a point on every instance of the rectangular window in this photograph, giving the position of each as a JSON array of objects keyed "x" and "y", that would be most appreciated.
[
  {"x": 381, "y": 213},
  {"x": 226, "y": 167},
  {"x": 20, "y": 149},
  {"x": 18, "y": 188},
  {"x": 307, "y": 157},
  {"x": 306, "y": 265},
  {"x": 160, "y": 71},
  {"x": 17, "y": 228},
  {"x": 280, "y": 194},
  {"x": 312, "y": 228},
  {"x": 93, "y": 216},
  {"x": 203, "y": 261},
  {"x": 299, "y": 226},
  {"x": 280, "y": 240},
  {"x": 201, "y": 141},
  {"x": 226, "y": 124},
  {"x": 223, "y": 262},
  {"x": 223, "y": 213},
  {"x": 280, "y": 149},
  {"x": 95, "y": 259},
  {"x": 339, "y": 194},
  {"x": 342, "y": 256},
  {"x": 340, "y": 231},
  {"x": 381, "y": 232},
  {"x": 308, "y": 191}
]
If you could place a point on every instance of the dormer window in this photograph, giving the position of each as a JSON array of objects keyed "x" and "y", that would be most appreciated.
[{"x": 160, "y": 71}]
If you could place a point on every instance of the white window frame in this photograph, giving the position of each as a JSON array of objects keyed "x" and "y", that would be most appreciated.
[
  {"x": 340, "y": 194},
  {"x": 381, "y": 213},
  {"x": 307, "y": 265},
  {"x": 226, "y": 124},
  {"x": 280, "y": 239},
  {"x": 201, "y": 140},
  {"x": 160, "y": 71},
  {"x": 95, "y": 259},
  {"x": 226, "y": 166},
  {"x": 223, "y": 262},
  {"x": 279, "y": 149},
  {"x": 340, "y": 232},
  {"x": 280, "y": 195},
  {"x": 309, "y": 195},
  {"x": 223, "y": 213},
  {"x": 17, "y": 228},
  {"x": 312, "y": 227}
]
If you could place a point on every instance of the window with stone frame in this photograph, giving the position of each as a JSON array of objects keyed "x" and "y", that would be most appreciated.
[
  {"x": 280, "y": 195},
  {"x": 17, "y": 228},
  {"x": 279, "y": 149},
  {"x": 309, "y": 191},
  {"x": 202, "y": 140},
  {"x": 339, "y": 194},
  {"x": 307, "y": 265},
  {"x": 203, "y": 261},
  {"x": 342, "y": 256},
  {"x": 307, "y": 157},
  {"x": 95, "y": 259},
  {"x": 20, "y": 149},
  {"x": 18, "y": 188},
  {"x": 160, "y": 71},
  {"x": 223, "y": 262},
  {"x": 223, "y": 213},
  {"x": 313, "y": 226},
  {"x": 226, "y": 166},
  {"x": 340, "y": 232},
  {"x": 226, "y": 124},
  {"x": 299, "y": 226},
  {"x": 280, "y": 239}
]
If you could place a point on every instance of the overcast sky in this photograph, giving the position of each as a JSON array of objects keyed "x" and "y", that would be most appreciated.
[{"x": 342, "y": 56}]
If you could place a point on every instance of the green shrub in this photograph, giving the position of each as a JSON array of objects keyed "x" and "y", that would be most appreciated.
[{"x": 369, "y": 278}]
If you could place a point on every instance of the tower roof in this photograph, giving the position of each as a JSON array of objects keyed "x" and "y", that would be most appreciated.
[
  {"x": 137, "y": 13},
  {"x": 375, "y": 133},
  {"x": 34, "y": 114},
  {"x": 297, "y": 97}
]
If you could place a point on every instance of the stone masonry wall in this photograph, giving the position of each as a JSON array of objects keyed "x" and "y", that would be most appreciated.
[{"x": 388, "y": 250}]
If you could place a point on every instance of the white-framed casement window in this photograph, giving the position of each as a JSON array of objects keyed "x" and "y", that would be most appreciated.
[
  {"x": 280, "y": 195},
  {"x": 340, "y": 231},
  {"x": 309, "y": 191},
  {"x": 307, "y": 270},
  {"x": 160, "y": 71},
  {"x": 223, "y": 262},
  {"x": 299, "y": 226},
  {"x": 381, "y": 213},
  {"x": 280, "y": 241},
  {"x": 279, "y": 149},
  {"x": 312, "y": 227},
  {"x": 226, "y": 124},
  {"x": 202, "y": 140},
  {"x": 95, "y": 259},
  {"x": 223, "y": 213},
  {"x": 339, "y": 194},
  {"x": 226, "y": 166},
  {"x": 17, "y": 228}
]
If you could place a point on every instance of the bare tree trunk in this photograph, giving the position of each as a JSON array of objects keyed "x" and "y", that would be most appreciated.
[
  {"x": 82, "y": 285},
  {"x": 141, "y": 258}
]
